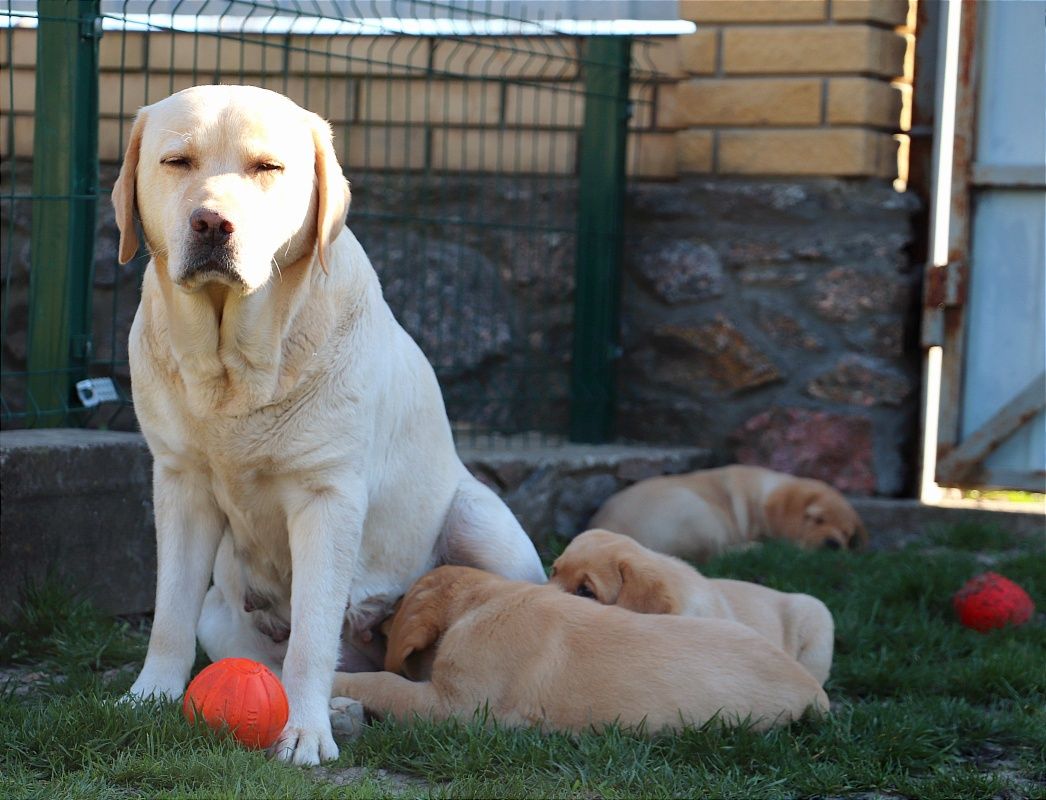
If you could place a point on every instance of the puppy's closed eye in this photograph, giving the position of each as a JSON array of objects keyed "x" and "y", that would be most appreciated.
[{"x": 584, "y": 591}]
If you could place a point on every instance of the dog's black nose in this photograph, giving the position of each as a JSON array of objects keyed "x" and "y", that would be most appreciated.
[
  {"x": 210, "y": 226},
  {"x": 831, "y": 544}
]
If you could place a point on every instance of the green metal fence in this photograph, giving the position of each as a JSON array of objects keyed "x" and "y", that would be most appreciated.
[{"x": 487, "y": 160}]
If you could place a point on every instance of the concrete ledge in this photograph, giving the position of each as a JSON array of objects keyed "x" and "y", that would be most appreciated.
[
  {"x": 892, "y": 522},
  {"x": 79, "y": 503}
]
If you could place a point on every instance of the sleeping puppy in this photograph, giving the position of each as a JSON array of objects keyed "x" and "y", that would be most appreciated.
[
  {"x": 533, "y": 655},
  {"x": 617, "y": 570},
  {"x": 701, "y": 514},
  {"x": 287, "y": 412}
]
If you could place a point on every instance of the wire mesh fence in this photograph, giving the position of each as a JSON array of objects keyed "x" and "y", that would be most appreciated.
[{"x": 486, "y": 156}]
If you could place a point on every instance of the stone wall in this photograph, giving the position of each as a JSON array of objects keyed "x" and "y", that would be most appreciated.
[{"x": 773, "y": 322}]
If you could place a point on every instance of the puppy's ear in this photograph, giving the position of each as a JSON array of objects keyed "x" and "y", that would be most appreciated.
[
  {"x": 785, "y": 511},
  {"x": 124, "y": 191},
  {"x": 415, "y": 627},
  {"x": 332, "y": 190},
  {"x": 645, "y": 591}
]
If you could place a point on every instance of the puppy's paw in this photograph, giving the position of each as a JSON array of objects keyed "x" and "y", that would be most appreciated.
[
  {"x": 305, "y": 747},
  {"x": 346, "y": 717}
]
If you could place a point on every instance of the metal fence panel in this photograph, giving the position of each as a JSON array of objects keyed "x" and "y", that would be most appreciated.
[{"x": 464, "y": 151}]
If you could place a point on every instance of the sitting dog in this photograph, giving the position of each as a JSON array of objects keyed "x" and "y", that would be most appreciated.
[
  {"x": 287, "y": 412},
  {"x": 533, "y": 655},
  {"x": 700, "y": 514},
  {"x": 617, "y": 570}
]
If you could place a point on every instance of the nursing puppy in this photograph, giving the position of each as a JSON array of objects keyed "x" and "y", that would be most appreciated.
[
  {"x": 533, "y": 655},
  {"x": 302, "y": 454},
  {"x": 700, "y": 514},
  {"x": 617, "y": 570}
]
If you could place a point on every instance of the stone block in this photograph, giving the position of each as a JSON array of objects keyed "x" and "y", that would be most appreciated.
[
  {"x": 22, "y": 146},
  {"x": 864, "y": 101},
  {"x": 752, "y": 10},
  {"x": 77, "y": 505},
  {"x": 651, "y": 155},
  {"x": 643, "y": 98},
  {"x": 845, "y": 294},
  {"x": 555, "y": 489},
  {"x": 18, "y": 47},
  {"x": 817, "y": 49},
  {"x": 678, "y": 270},
  {"x": 884, "y": 12},
  {"x": 821, "y": 151},
  {"x": 786, "y": 329},
  {"x": 657, "y": 58},
  {"x": 121, "y": 50},
  {"x": 380, "y": 148},
  {"x": 694, "y": 150},
  {"x": 750, "y": 101},
  {"x": 499, "y": 150},
  {"x": 666, "y": 107},
  {"x": 727, "y": 356},
  {"x": 898, "y": 522},
  {"x": 122, "y": 94},
  {"x": 831, "y": 447},
  {"x": 358, "y": 55},
  {"x": 17, "y": 89},
  {"x": 438, "y": 102},
  {"x": 698, "y": 52},
  {"x": 556, "y": 105},
  {"x": 217, "y": 59},
  {"x": 860, "y": 381}
]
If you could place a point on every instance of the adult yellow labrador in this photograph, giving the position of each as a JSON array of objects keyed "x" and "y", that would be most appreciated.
[
  {"x": 302, "y": 454},
  {"x": 534, "y": 655},
  {"x": 700, "y": 514},
  {"x": 617, "y": 570}
]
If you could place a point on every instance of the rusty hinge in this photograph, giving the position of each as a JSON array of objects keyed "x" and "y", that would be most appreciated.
[{"x": 946, "y": 285}]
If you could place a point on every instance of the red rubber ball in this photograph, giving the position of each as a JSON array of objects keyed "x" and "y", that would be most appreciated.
[
  {"x": 241, "y": 695},
  {"x": 990, "y": 601}
]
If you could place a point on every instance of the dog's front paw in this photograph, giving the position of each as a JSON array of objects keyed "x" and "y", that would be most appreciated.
[
  {"x": 305, "y": 746},
  {"x": 152, "y": 687}
]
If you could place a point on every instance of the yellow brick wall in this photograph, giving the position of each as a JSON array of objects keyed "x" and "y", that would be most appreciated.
[
  {"x": 764, "y": 87},
  {"x": 794, "y": 87}
]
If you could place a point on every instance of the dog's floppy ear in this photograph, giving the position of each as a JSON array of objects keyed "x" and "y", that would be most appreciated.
[
  {"x": 124, "y": 191},
  {"x": 332, "y": 190},
  {"x": 416, "y": 626},
  {"x": 644, "y": 591},
  {"x": 785, "y": 509}
]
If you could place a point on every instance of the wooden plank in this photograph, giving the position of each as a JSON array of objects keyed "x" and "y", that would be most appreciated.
[{"x": 957, "y": 466}]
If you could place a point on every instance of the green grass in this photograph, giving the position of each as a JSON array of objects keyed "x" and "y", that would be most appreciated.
[{"x": 921, "y": 708}]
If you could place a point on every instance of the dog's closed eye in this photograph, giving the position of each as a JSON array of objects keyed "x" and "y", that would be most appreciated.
[{"x": 584, "y": 591}]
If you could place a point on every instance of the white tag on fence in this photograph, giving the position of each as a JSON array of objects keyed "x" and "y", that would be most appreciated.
[{"x": 97, "y": 390}]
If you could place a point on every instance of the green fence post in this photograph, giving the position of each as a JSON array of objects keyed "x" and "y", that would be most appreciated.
[
  {"x": 601, "y": 193},
  {"x": 65, "y": 189}
]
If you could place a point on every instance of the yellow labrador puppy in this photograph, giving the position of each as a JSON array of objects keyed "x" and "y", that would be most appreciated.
[
  {"x": 700, "y": 514},
  {"x": 302, "y": 454},
  {"x": 533, "y": 655},
  {"x": 617, "y": 570}
]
